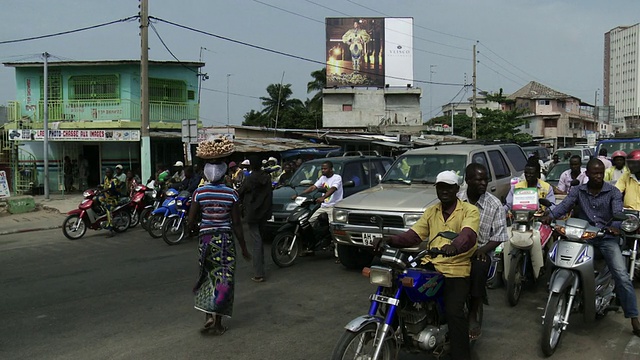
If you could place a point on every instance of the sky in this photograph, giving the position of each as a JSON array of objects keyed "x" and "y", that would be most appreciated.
[{"x": 558, "y": 43}]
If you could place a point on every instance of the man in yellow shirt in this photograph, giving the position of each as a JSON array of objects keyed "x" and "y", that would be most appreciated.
[
  {"x": 450, "y": 214},
  {"x": 619, "y": 168},
  {"x": 629, "y": 182}
]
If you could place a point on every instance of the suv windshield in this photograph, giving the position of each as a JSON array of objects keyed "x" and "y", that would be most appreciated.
[
  {"x": 309, "y": 173},
  {"x": 424, "y": 168}
]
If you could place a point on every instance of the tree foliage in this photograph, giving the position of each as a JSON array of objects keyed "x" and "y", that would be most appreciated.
[
  {"x": 490, "y": 125},
  {"x": 291, "y": 113}
]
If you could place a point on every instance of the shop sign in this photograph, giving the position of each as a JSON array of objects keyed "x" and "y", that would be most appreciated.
[{"x": 75, "y": 135}]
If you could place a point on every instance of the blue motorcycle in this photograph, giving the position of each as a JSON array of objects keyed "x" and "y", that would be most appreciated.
[
  {"x": 160, "y": 215},
  {"x": 175, "y": 229},
  {"x": 407, "y": 310}
]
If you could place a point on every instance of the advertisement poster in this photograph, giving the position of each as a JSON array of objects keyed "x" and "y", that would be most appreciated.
[
  {"x": 525, "y": 199},
  {"x": 369, "y": 52},
  {"x": 75, "y": 135},
  {"x": 4, "y": 185}
]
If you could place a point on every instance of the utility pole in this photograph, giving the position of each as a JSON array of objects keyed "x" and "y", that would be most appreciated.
[
  {"x": 278, "y": 106},
  {"x": 474, "y": 114},
  {"x": 596, "y": 115},
  {"x": 431, "y": 72},
  {"x": 145, "y": 144},
  {"x": 46, "y": 125},
  {"x": 228, "y": 76}
]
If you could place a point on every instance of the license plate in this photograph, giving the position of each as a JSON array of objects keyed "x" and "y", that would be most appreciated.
[{"x": 368, "y": 238}]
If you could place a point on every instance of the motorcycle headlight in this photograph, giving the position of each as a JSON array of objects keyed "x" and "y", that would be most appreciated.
[
  {"x": 171, "y": 192},
  {"x": 291, "y": 206},
  {"x": 631, "y": 224},
  {"x": 138, "y": 188},
  {"x": 340, "y": 215},
  {"x": 381, "y": 276},
  {"x": 154, "y": 194},
  {"x": 573, "y": 233},
  {"x": 86, "y": 193},
  {"x": 171, "y": 202},
  {"x": 522, "y": 216},
  {"x": 178, "y": 202},
  {"x": 411, "y": 219}
]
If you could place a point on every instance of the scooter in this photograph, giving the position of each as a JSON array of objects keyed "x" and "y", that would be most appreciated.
[
  {"x": 298, "y": 233},
  {"x": 156, "y": 198},
  {"x": 631, "y": 233},
  {"x": 579, "y": 283},
  {"x": 174, "y": 229},
  {"x": 406, "y": 311},
  {"x": 137, "y": 204},
  {"x": 160, "y": 215},
  {"x": 528, "y": 245},
  {"x": 91, "y": 214}
]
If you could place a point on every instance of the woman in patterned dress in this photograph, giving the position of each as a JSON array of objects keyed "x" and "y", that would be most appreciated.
[{"x": 220, "y": 216}]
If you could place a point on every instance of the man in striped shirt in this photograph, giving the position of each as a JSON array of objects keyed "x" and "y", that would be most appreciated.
[{"x": 598, "y": 201}]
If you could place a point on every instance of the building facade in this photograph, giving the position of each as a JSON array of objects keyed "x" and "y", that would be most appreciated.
[
  {"x": 621, "y": 72},
  {"x": 362, "y": 108},
  {"x": 552, "y": 117},
  {"x": 94, "y": 111}
]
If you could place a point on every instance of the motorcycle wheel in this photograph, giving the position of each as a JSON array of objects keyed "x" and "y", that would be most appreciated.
[
  {"x": 360, "y": 345},
  {"x": 121, "y": 221},
  {"x": 280, "y": 249},
  {"x": 174, "y": 230},
  {"x": 144, "y": 217},
  {"x": 154, "y": 227},
  {"x": 514, "y": 279},
  {"x": 553, "y": 318},
  {"x": 69, "y": 223},
  {"x": 135, "y": 218}
]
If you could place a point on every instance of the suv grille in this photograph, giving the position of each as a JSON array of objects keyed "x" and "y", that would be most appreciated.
[{"x": 365, "y": 219}]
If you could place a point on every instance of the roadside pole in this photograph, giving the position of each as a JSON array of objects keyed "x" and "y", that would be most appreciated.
[
  {"x": 46, "y": 125},
  {"x": 145, "y": 140}
]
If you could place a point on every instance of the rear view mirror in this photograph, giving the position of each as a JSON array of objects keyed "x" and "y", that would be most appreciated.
[{"x": 620, "y": 217}]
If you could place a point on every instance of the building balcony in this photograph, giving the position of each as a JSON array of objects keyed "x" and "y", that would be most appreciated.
[{"x": 101, "y": 113}]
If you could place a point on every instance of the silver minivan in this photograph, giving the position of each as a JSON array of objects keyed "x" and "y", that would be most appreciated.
[{"x": 408, "y": 188}]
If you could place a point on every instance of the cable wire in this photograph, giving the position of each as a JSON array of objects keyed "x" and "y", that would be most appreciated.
[
  {"x": 231, "y": 93},
  {"x": 68, "y": 31},
  {"x": 298, "y": 57},
  {"x": 169, "y": 50}
]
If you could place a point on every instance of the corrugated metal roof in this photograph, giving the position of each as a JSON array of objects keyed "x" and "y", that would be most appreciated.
[{"x": 276, "y": 145}]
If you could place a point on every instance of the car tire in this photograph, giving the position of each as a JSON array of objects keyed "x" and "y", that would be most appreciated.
[{"x": 353, "y": 257}]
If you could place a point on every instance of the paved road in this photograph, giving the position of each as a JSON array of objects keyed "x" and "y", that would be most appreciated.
[{"x": 129, "y": 298}]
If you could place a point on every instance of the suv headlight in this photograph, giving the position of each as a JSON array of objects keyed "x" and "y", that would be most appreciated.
[
  {"x": 291, "y": 206},
  {"x": 340, "y": 215},
  {"x": 411, "y": 219}
]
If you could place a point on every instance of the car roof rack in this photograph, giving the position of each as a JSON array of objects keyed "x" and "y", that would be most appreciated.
[{"x": 361, "y": 153}]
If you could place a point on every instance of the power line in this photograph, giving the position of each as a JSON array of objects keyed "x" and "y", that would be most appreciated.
[
  {"x": 235, "y": 94},
  {"x": 169, "y": 50},
  {"x": 465, "y": 88},
  {"x": 393, "y": 30},
  {"x": 500, "y": 74},
  {"x": 68, "y": 32},
  {"x": 422, "y": 27},
  {"x": 505, "y": 69},
  {"x": 278, "y": 52}
]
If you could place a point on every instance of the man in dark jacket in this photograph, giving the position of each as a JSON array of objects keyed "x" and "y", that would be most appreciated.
[{"x": 256, "y": 195}]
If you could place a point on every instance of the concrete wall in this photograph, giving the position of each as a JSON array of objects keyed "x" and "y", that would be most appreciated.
[{"x": 371, "y": 107}]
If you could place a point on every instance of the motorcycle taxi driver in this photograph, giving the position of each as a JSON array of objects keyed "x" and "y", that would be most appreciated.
[
  {"x": 597, "y": 201},
  {"x": 450, "y": 214}
]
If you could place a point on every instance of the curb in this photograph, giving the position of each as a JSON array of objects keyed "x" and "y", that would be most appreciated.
[{"x": 9, "y": 232}]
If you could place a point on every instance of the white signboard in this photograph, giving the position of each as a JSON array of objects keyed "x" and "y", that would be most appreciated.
[
  {"x": 398, "y": 51},
  {"x": 75, "y": 135},
  {"x": 4, "y": 185}
]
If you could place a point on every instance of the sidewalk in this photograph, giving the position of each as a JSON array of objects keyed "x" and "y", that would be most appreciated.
[{"x": 49, "y": 214}]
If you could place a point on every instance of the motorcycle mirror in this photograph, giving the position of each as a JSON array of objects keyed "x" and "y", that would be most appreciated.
[
  {"x": 448, "y": 235},
  {"x": 545, "y": 202},
  {"x": 348, "y": 184}
]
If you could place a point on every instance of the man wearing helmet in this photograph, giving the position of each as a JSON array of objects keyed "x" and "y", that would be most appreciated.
[
  {"x": 629, "y": 182},
  {"x": 619, "y": 167}
]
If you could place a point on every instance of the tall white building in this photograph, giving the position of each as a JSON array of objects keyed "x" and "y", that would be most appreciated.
[{"x": 622, "y": 76}]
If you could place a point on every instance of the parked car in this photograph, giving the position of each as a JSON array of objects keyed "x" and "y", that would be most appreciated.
[
  {"x": 545, "y": 154},
  {"x": 583, "y": 152},
  {"x": 363, "y": 170},
  {"x": 408, "y": 189}
]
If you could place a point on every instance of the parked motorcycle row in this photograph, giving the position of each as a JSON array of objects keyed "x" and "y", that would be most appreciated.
[{"x": 161, "y": 214}]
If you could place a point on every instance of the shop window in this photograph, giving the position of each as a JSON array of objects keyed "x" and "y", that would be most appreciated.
[
  {"x": 167, "y": 90},
  {"x": 94, "y": 87}
]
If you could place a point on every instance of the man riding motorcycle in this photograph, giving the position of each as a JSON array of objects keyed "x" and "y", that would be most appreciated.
[
  {"x": 451, "y": 214},
  {"x": 532, "y": 180},
  {"x": 598, "y": 201},
  {"x": 618, "y": 169},
  {"x": 492, "y": 232},
  {"x": 629, "y": 183}
]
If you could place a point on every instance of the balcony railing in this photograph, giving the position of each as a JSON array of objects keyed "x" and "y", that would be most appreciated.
[{"x": 101, "y": 110}]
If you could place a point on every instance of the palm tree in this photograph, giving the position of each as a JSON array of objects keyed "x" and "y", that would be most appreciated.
[
  {"x": 318, "y": 83},
  {"x": 278, "y": 103}
]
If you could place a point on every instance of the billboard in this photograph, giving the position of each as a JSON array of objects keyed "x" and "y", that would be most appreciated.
[{"x": 369, "y": 52}]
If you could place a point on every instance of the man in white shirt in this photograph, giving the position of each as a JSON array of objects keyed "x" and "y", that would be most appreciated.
[
  {"x": 575, "y": 176},
  {"x": 333, "y": 183},
  {"x": 602, "y": 156}
]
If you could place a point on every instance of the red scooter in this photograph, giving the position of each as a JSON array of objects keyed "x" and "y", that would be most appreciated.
[
  {"x": 137, "y": 203},
  {"x": 92, "y": 214}
]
